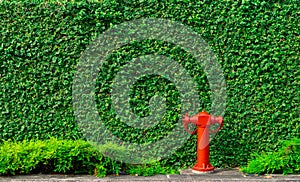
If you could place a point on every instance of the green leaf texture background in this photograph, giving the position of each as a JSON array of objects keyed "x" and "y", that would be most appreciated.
[{"x": 257, "y": 43}]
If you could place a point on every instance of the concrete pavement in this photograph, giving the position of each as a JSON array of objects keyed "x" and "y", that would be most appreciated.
[{"x": 220, "y": 175}]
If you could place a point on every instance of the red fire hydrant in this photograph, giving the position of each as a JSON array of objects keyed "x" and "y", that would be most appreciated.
[{"x": 203, "y": 121}]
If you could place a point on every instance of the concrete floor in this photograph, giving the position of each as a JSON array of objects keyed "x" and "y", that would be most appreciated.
[{"x": 219, "y": 175}]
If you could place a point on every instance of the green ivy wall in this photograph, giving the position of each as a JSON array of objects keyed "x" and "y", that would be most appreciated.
[{"x": 256, "y": 42}]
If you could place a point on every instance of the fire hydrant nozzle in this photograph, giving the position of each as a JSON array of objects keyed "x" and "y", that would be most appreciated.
[{"x": 203, "y": 121}]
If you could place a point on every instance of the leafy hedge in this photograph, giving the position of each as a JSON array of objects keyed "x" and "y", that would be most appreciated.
[
  {"x": 68, "y": 157},
  {"x": 285, "y": 160},
  {"x": 55, "y": 156},
  {"x": 256, "y": 43}
]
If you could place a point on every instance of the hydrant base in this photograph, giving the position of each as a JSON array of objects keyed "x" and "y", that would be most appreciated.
[
  {"x": 202, "y": 172},
  {"x": 203, "y": 168}
]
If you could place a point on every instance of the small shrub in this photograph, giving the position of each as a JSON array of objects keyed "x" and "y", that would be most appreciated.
[
  {"x": 21, "y": 157},
  {"x": 286, "y": 160},
  {"x": 55, "y": 156},
  {"x": 150, "y": 169}
]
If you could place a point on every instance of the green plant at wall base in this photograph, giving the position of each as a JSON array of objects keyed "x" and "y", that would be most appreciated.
[
  {"x": 150, "y": 169},
  {"x": 256, "y": 43},
  {"x": 21, "y": 157},
  {"x": 285, "y": 160},
  {"x": 55, "y": 156}
]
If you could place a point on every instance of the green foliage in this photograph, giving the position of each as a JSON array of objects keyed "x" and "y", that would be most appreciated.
[
  {"x": 150, "y": 169},
  {"x": 285, "y": 160},
  {"x": 55, "y": 156},
  {"x": 256, "y": 42}
]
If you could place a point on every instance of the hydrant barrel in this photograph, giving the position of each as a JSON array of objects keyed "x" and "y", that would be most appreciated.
[{"x": 203, "y": 163}]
